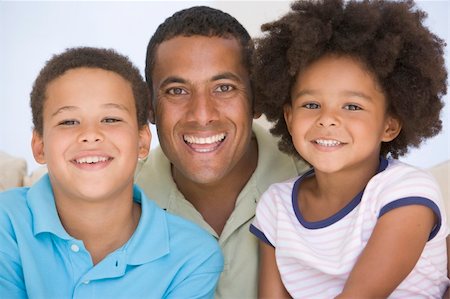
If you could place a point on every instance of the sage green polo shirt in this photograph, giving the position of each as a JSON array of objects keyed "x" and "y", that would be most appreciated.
[{"x": 239, "y": 246}]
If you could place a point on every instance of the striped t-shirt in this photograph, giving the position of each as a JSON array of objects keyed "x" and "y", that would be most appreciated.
[{"x": 316, "y": 258}]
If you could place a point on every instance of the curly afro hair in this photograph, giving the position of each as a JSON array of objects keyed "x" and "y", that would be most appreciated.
[
  {"x": 388, "y": 37},
  {"x": 88, "y": 57}
]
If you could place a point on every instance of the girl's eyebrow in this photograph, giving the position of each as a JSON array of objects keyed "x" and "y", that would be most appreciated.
[{"x": 346, "y": 93}]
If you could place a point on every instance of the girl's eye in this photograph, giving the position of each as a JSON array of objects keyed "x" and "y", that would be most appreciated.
[
  {"x": 352, "y": 107},
  {"x": 224, "y": 88},
  {"x": 311, "y": 106},
  {"x": 69, "y": 122},
  {"x": 176, "y": 91}
]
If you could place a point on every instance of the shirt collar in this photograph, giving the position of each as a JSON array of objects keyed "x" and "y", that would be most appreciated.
[
  {"x": 150, "y": 241},
  {"x": 41, "y": 202}
]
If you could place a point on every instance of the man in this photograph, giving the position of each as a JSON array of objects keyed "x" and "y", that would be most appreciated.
[{"x": 213, "y": 163}]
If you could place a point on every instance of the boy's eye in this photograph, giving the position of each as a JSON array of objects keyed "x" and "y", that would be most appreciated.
[
  {"x": 176, "y": 91},
  {"x": 311, "y": 106},
  {"x": 352, "y": 107},
  {"x": 224, "y": 88},
  {"x": 69, "y": 122},
  {"x": 110, "y": 120}
]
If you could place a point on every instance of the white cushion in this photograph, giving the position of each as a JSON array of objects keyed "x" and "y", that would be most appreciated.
[{"x": 12, "y": 171}]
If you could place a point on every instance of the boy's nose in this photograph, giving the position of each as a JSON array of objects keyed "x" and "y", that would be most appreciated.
[{"x": 91, "y": 135}]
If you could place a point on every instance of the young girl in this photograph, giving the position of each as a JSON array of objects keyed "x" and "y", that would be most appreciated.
[{"x": 352, "y": 86}]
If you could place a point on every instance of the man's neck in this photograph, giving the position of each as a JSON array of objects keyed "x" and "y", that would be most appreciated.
[{"x": 216, "y": 201}]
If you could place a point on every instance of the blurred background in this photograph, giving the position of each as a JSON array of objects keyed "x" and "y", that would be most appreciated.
[{"x": 31, "y": 32}]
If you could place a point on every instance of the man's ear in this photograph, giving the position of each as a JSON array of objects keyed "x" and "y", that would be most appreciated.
[
  {"x": 145, "y": 138},
  {"x": 392, "y": 128},
  {"x": 37, "y": 146}
]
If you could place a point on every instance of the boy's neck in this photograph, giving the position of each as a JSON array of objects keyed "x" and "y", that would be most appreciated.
[{"x": 103, "y": 227}]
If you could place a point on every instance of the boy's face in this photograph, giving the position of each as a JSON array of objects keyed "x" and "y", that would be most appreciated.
[
  {"x": 203, "y": 105},
  {"x": 337, "y": 117},
  {"x": 91, "y": 141}
]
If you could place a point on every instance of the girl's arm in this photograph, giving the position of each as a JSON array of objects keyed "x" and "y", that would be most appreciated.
[
  {"x": 270, "y": 284},
  {"x": 392, "y": 251}
]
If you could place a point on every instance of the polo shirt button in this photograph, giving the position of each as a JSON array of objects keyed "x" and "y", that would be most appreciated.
[
  {"x": 86, "y": 282},
  {"x": 74, "y": 248}
]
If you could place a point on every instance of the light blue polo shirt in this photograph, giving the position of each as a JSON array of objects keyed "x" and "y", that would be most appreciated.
[{"x": 166, "y": 257}]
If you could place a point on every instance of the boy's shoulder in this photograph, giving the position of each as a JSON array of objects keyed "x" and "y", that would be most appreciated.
[{"x": 14, "y": 198}]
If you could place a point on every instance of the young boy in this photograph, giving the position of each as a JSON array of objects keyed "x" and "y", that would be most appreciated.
[
  {"x": 352, "y": 85},
  {"x": 84, "y": 230}
]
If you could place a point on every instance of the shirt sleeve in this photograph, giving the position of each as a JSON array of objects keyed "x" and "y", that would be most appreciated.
[
  {"x": 264, "y": 225},
  {"x": 411, "y": 186}
]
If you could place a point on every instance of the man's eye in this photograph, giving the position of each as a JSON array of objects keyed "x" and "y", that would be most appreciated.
[
  {"x": 110, "y": 120},
  {"x": 311, "y": 106},
  {"x": 352, "y": 107},
  {"x": 176, "y": 91},
  {"x": 69, "y": 122},
  {"x": 224, "y": 88}
]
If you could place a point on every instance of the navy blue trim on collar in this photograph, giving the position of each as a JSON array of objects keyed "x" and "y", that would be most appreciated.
[{"x": 340, "y": 214}]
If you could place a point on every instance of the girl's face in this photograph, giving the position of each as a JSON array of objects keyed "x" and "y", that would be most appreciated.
[{"x": 337, "y": 117}]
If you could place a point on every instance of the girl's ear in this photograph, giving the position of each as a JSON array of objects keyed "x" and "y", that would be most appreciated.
[
  {"x": 287, "y": 108},
  {"x": 37, "y": 146},
  {"x": 392, "y": 129},
  {"x": 145, "y": 138}
]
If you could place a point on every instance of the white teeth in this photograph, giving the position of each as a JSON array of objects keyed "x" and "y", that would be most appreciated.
[
  {"x": 93, "y": 159},
  {"x": 325, "y": 142},
  {"x": 204, "y": 140}
]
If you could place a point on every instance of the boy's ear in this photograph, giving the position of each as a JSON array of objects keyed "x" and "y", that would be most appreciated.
[
  {"x": 145, "y": 138},
  {"x": 37, "y": 146},
  {"x": 392, "y": 128}
]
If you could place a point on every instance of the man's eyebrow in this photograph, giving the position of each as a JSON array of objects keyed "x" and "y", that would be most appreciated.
[
  {"x": 172, "y": 79},
  {"x": 226, "y": 75}
]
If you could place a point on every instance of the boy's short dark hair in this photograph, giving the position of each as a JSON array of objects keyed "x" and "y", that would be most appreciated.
[
  {"x": 198, "y": 20},
  {"x": 388, "y": 37},
  {"x": 106, "y": 59}
]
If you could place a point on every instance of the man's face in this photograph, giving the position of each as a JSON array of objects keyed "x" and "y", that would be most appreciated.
[{"x": 203, "y": 110}]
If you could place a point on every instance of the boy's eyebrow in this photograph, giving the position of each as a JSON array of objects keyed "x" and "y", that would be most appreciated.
[
  {"x": 117, "y": 106},
  {"x": 107, "y": 105},
  {"x": 64, "y": 108}
]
